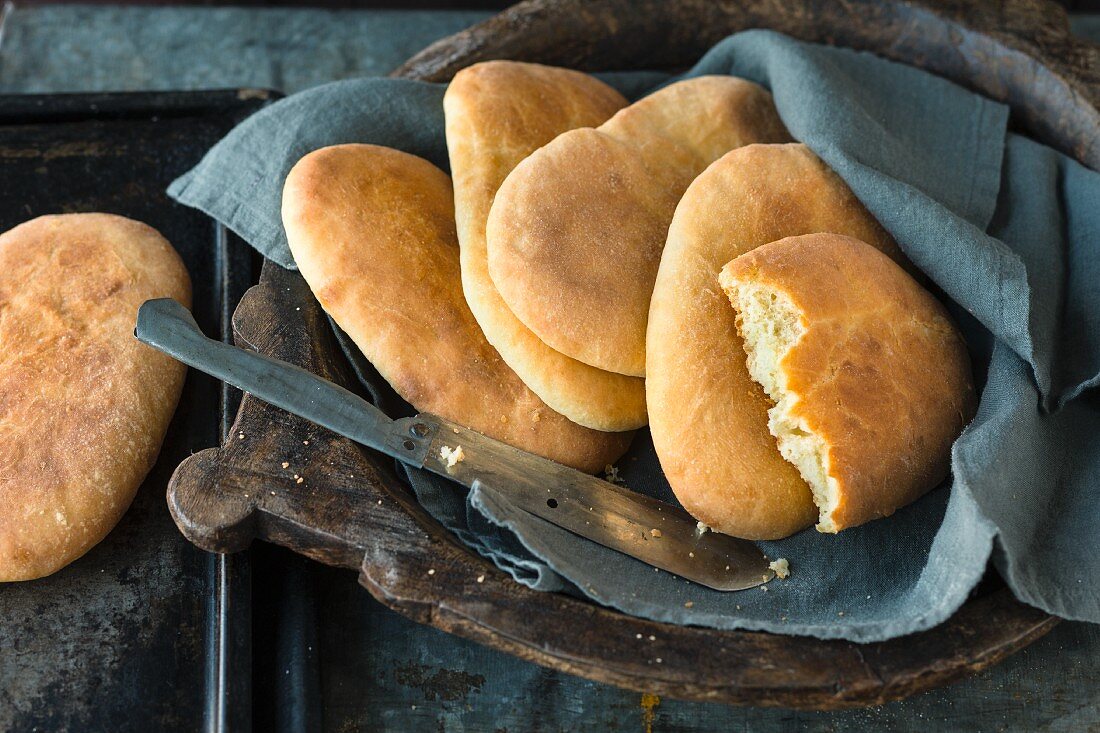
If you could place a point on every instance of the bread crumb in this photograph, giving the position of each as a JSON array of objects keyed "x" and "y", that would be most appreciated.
[
  {"x": 481, "y": 578},
  {"x": 659, "y": 660},
  {"x": 781, "y": 567},
  {"x": 655, "y": 532},
  {"x": 300, "y": 480},
  {"x": 452, "y": 455},
  {"x": 652, "y": 637},
  {"x": 60, "y": 517},
  {"x": 305, "y": 442},
  {"x": 764, "y": 588},
  {"x": 456, "y": 430},
  {"x": 689, "y": 604},
  {"x": 431, "y": 571},
  {"x": 637, "y": 636},
  {"x": 286, "y": 464},
  {"x": 295, "y": 475},
  {"x": 241, "y": 436},
  {"x": 691, "y": 554},
  {"x": 536, "y": 415},
  {"x": 611, "y": 473},
  {"x": 700, "y": 528},
  {"x": 840, "y": 613}
]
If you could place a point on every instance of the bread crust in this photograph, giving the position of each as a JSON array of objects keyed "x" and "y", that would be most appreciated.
[
  {"x": 84, "y": 406},
  {"x": 708, "y": 417},
  {"x": 881, "y": 373},
  {"x": 576, "y": 231},
  {"x": 497, "y": 113},
  {"x": 372, "y": 230}
]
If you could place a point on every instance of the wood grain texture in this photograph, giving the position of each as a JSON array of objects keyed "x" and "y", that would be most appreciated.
[
  {"x": 351, "y": 510},
  {"x": 380, "y": 665},
  {"x": 1019, "y": 52}
]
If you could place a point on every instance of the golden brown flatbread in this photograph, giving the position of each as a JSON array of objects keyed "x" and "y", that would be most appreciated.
[
  {"x": 869, "y": 376},
  {"x": 84, "y": 406},
  {"x": 708, "y": 417},
  {"x": 498, "y": 113},
  {"x": 372, "y": 230},
  {"x": 576, "y": 231}
]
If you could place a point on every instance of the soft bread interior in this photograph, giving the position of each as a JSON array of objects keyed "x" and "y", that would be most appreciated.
[{"x": 771, "y": 325}]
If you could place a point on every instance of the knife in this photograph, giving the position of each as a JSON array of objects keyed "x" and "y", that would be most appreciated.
[{"x": 657, "y": 533}]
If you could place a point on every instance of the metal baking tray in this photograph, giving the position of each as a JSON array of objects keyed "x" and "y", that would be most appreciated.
[{"x": 145, "y": 632}]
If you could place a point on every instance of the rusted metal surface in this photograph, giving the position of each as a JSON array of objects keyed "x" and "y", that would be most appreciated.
[
  {"x": 116, "y": 641},
  {"x": 382, "y": 672}
]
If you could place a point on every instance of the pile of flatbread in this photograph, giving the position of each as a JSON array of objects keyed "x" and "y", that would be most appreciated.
[{"x": 594, "y": 266}]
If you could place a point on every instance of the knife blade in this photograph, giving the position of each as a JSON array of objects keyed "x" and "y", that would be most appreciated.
[{"x": 654, "y": 532}]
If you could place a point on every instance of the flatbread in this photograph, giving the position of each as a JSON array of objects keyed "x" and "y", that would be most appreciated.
[
  {"x": 870, "y": 377},
  {"x": 576, "y": 231},
  {"x": 709, "y": 419},
  {"x": 498, "y": 113},
  {"x": 372, "y": 231},
  {"x": 84, "y": 406}
]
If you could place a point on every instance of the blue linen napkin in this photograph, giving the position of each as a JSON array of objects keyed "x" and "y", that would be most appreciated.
[{"x": 1009, "y": 230}]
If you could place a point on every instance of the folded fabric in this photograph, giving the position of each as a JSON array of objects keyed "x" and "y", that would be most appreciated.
[{"x": 1008, "y": 229}]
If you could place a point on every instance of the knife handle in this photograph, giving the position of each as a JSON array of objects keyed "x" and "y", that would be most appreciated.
[{"x": 167, "y": 326}]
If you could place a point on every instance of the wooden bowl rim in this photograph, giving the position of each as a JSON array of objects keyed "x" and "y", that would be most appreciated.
[
  {"x": 1048, "y": 77},
  {"x": 562, "y": 632}
]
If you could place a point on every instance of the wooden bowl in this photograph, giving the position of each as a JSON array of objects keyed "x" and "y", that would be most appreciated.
[{"x": 353, "y": 511}]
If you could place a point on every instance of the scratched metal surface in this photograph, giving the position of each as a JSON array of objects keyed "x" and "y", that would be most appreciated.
[
  {"x": 128, "y": 48},
  {"x": 381, "y": 672},
  {"x": 372, "y": 669},
  {"x": 115, "y": 641}
]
